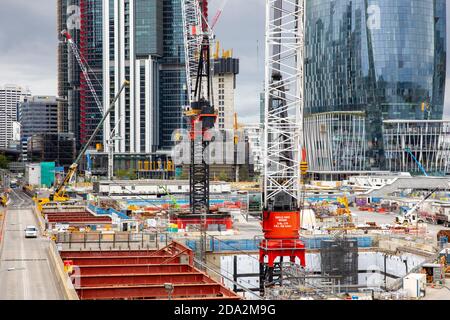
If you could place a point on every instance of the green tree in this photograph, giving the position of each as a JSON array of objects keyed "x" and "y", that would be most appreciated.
[
  {"x": 124, "y": 174},
  {"x": 121, "y": 173},
  {"x": 243, "y": 174},
  {"x": 183, "y": 176},
  {"x": 223, "y": 176},
  {"x": 132, "y": 175},
  {"x": 4, "y": 162}
]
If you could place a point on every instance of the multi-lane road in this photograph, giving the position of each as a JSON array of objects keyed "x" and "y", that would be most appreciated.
[{"x": 25, "y": 272}]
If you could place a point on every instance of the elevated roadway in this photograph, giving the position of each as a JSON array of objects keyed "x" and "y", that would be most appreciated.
[{"x": 25, "y": 272}]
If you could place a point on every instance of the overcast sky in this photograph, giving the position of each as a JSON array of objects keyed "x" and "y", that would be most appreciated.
[{"x": 28, "y": 40}]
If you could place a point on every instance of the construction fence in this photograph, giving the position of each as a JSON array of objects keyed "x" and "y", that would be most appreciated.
[{"x": 115, "y": 240}]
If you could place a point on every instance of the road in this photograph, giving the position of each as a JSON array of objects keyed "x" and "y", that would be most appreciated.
[{"x": 25, "y": 273}]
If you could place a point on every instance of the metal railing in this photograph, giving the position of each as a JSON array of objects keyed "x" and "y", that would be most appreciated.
[{"x": 99, "y": 240}]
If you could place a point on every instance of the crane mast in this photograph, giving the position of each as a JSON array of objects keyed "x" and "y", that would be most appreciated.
[
  {"x": 193, "y": 38},
  {"x": 282, "y": 138}
]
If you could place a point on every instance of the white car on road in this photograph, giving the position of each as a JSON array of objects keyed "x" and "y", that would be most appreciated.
[{"x": 31, "y": 232}]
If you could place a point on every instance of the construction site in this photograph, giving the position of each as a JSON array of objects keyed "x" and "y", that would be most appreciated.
[{"x": 381, "y": 235}]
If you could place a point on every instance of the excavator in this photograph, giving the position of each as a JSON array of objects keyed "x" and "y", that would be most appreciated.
[
  {"x": 345, "y": 209},
  {"x": 59, "y": 195}
]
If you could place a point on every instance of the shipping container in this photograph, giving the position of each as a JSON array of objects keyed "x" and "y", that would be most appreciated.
[{"x": 33, "y": 174}]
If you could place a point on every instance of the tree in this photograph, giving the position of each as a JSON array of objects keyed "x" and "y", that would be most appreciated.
[
  {"x": 223, "y": 176},
  {"x": 4, "y": 162},
  {"x": 121, "y": 173},
  {"x": 183, "y": 176},
  {"x": 243, "y": 174}
]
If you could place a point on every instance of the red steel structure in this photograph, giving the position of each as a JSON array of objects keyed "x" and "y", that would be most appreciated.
[
  {"x": 76, "y": 218},
  {"x": 204, "y": 9},
  {"x": 142, "y": 275}
]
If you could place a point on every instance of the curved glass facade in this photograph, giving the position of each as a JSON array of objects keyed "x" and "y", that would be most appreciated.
[{"x": 386, "y": 58}]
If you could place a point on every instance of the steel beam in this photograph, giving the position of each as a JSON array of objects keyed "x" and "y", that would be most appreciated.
[
  {"x": 140, "y": 279},
  {"x": 81, "y": 219},
  {"x": 98, "y": 261},
  {"x": 155, "y": 292},
  {"x": 134, "y": 269},
  {"x": 134, "y": 253}
]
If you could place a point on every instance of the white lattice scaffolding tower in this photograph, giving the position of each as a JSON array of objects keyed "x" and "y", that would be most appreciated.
[
  {"x": 193, "y": 37},
  {"x": 283, "y": 134}
]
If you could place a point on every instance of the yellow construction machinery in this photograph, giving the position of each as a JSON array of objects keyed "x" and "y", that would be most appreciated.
[
  {"x": 345, "y": 210},
  {"x": 4, "y": 199}
]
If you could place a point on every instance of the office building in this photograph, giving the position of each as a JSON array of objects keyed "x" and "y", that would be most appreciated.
[
  {"x": 417, "y": 146},
  {"x": 10, "y": 96},
  {"x": 254, "y": 135},
  {"x": 173, "y": 89},
  {"x": 37, "y": 115},
  {"x": 366, "y": 63}
]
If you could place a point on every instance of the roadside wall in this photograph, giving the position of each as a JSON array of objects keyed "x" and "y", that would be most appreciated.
[
  {"x": 56, "y": 263},
  {"x": 62, "y": 278},
  {"x": 2, "y": 226}
]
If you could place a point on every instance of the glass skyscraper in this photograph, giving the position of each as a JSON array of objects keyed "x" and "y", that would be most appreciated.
[
  {"x": 91, "y": 50},
  {"x": 384, "y": 58},
  {"x": 173, "y": 91}
]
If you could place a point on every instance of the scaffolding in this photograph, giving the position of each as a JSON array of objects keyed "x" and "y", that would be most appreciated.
[
  {"x": 339, "y": 258},
  {"x": 299, "y": 284}
]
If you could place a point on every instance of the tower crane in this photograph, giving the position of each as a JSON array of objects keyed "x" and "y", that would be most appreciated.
[
  {"x": 59, "y": 194},
  {"x": 201, "y": 115},
  {"x": 282, "y": 139},
  {"x": 83, "y": 66}
]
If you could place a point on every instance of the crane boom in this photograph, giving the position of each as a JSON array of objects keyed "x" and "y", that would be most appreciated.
[
  {"x": 408, "y": 150},
  {"x": 73, "y": 47},
  {"x": 218, "y": 14},
  {"x": 61, "y": 187},
  {"x": 417, "y": 205}
]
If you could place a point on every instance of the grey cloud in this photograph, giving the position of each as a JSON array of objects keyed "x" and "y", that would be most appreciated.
[
  {"x": 28, "y": 44},
  {"x": 240, "y": 27}
]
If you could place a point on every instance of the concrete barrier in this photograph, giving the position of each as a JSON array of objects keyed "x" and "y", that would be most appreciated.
[
  {"x": 2, "y": 228},
  {"x": 56, "y": 263},
  {"x": 39, "y": 219},
  {"x": 62, "y": 278}
]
